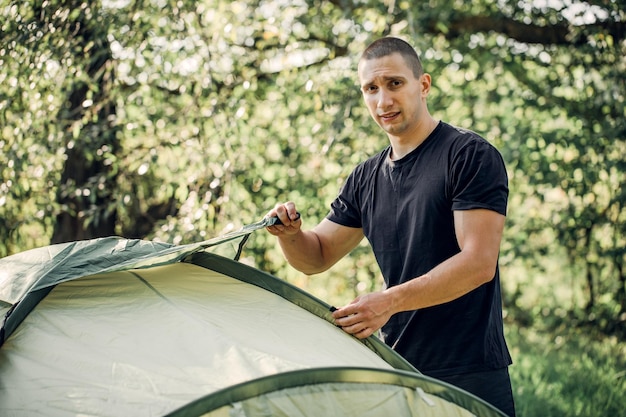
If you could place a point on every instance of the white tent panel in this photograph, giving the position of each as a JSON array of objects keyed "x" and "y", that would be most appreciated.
[
  {"x": 345, "y": 400},
  {"x": 145, "y": 342}
]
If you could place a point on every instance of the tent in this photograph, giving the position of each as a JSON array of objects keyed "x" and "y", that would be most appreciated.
[{"x": 119, "y": 327}]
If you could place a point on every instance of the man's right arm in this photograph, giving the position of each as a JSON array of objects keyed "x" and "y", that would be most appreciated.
[{"x": 316, "y": 250}]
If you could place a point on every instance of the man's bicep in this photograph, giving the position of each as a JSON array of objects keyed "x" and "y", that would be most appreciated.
[
  {"x": 479, "y": 229},
  {"x": 336, "y": 240}
]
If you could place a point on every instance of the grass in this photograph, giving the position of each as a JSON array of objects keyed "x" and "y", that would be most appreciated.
[{"x": 567, "y": 372}]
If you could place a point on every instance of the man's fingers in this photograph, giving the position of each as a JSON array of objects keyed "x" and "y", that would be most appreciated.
[
  {"x": 287, "y": 216},
  {"x": 288, "y": 219},
  {"x": 358, "y": 329},
  {"x": 347, "y": 311},
  {"x": 353, "y": 323}
]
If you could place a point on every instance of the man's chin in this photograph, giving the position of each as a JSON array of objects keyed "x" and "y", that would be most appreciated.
[{"x": 391, "y": 129}]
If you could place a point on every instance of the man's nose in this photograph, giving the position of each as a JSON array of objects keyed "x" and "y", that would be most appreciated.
[{"x": 385, "y": 99}]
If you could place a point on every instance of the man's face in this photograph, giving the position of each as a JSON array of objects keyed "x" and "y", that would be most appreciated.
[{"x": 394, "y": 97}]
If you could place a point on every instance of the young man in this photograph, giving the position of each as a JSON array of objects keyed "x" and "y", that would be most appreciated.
[{"x": 432, "y": 206}]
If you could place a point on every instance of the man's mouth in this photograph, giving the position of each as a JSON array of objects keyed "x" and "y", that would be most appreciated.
[{"x": 387, "y": 117}]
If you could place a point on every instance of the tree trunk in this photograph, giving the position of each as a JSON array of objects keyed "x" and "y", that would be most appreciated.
[{"x": 88, "y": 182}]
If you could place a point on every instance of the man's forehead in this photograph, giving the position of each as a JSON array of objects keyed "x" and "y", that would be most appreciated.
[{"x": 384, "y": 68}]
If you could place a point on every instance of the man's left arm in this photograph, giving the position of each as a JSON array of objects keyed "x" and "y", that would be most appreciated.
[{"x": 479, "y": 233}]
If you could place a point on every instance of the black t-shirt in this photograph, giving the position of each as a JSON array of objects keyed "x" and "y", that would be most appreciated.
[{"x": 406, "y": 211}]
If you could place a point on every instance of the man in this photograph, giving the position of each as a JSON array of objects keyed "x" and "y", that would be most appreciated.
[{"x": 432, "y": 205}]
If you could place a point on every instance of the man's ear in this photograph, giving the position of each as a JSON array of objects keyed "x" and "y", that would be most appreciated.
[{"x": 425, "y": 82}]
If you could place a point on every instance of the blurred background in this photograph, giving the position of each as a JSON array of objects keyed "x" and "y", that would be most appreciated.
[{"x": 179, "y": 121}]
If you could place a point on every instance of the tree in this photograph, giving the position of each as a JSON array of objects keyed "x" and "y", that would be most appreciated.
[{"x": 178, "y": 121}]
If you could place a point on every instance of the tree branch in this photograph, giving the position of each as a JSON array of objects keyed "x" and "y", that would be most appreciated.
[{"x": 557, "y": 34}]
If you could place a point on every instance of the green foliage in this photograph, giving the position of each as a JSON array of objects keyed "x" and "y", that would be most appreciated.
[
  {"x": 567, "y": 373},
  {"x": 179, "y": 121}
]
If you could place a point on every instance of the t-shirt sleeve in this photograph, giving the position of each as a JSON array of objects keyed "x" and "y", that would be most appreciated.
[
  {"x": 479, "y": 178},
  {"x": 345, "y": 210}
]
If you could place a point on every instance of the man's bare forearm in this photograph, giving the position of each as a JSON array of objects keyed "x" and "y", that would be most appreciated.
[
  {"x": 311, "y": 251},
  {"x": 303, "y": 251}
]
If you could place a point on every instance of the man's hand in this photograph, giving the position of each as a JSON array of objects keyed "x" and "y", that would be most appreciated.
[
  {"x": 365, "y": 314},
  {"x": 289, "y": 217}
]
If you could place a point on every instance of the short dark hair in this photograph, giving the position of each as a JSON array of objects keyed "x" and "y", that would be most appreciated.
[{"x": 389, "y": 45}]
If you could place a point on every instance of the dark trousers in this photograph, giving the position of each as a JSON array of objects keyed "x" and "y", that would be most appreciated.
[{"x": 491, "y": 386}]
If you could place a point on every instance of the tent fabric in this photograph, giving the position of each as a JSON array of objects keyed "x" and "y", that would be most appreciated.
[
  {"x": 295, "y": 295},
  {"x": 340, "y": 391},
  {"x": 32, "y": 273},
  {"x": 112, "y": 327},
  {"x": 159, "y": 340},
  {"x": 42, "y": 267},
  {"x": 358, "y": 400}
]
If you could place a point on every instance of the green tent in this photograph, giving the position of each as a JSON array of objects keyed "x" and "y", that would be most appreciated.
[{"x": 118, "y": 327}]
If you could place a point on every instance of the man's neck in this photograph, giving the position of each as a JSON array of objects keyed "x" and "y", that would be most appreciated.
[{"x": 403, "y": 145}]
